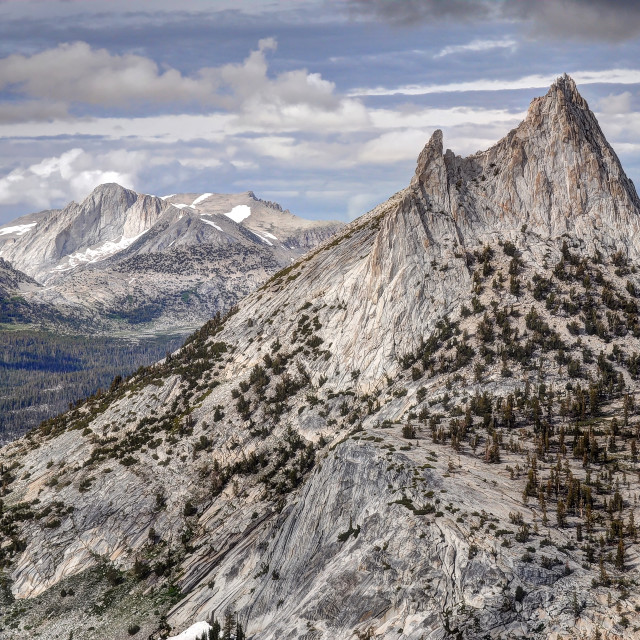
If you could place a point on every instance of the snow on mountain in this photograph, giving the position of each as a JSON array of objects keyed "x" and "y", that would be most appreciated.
[
  {"x": 201, "y": 198},
  {"x": 194, "y": 632},
  {"x": 18, "y": 230},
  {"x": 95, "y": 254},
  {"x": 255, "y": 233},
  {"x": 239, "y": 213},
  {"x": 213, "y": 224}
]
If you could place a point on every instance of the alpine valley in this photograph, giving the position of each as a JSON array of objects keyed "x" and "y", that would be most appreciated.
[
  {"x": 425, "y": 428},
  {"x": 117, "y": 281}
]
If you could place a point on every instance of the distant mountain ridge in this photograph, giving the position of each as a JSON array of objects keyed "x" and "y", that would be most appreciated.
[
  {"x": 112, "y": 219},
  {"x": 138, "y": 269},
  {"x": 169, "y": 262}
]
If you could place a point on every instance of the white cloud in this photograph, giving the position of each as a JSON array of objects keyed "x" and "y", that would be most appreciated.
[
  {"x": 616, "y": 104},
  {"x": 74, "y": 72},
  {"x": 621, "y": 129},
  {"x": 477, "y": 46},
  {"x": 52, "y": 81},
  {"x": 73, "y": 174},
  {"x": 394, "y": 146},
  {"x": 610, "y": 76},
  {"x": 363, "y": 202},
  {"x": 291, "y": 126},
  {"x": 352, "y": 117}
]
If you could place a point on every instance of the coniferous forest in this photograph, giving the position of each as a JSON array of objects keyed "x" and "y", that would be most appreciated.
[{"x": 42, "y": 372}]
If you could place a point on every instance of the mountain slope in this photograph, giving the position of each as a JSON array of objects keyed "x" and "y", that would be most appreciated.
[
  {"x": 137, "y": 270},
  {"x": 122, "y": 256},
  {"x": 13, "y": 284},
  {"x": 425, "y": 428}
]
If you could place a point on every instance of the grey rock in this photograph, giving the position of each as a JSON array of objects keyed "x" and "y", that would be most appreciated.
[{"x": 382, "y": 536}]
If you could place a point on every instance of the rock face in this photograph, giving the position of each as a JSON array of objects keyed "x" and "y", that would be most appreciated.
[
  {"x": 128, "y": 267},
  {"x": 172, "y": 262},
  {"x": 12, "y": 280},
  {"x": 555, "y": 173},
  {"x": 424, "y": 428}
]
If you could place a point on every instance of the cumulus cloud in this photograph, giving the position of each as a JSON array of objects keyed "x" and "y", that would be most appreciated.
[
  {"x": 77, "y": 73},
  {"x": 608, "y": 20},
  {"x": 72, "y": 174},
  {"x": 293, "y": 130},
  {"x": 50, "y": 82}
]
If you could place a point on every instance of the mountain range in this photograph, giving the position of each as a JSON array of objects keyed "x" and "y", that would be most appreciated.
[
  {"x": 132, "y": 271},
  {"x": 169, "y": 263},
  {"x": 425, "y": 427}
]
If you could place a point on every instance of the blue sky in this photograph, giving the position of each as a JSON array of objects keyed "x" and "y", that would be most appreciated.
[{"x": 321, "y": 105}]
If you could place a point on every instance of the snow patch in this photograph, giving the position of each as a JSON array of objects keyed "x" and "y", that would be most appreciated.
[
  {"x": 193, "y": 632},
  {"x": 239, "y": 212},
  {"x": 213, "y": 224},
  {"x": 167, "y": 197},
  {"x": 182, "y": 206},
  {"x": 94, "y": 255},
  {"x": 269, "y": 235},
  {"x": 19, "y": 229},
  {"x": 201, "y": 198},
  {"x": 261, "y": 238}
]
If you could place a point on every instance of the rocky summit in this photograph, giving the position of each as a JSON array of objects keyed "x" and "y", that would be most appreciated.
[{"x": 425, "y": 428}]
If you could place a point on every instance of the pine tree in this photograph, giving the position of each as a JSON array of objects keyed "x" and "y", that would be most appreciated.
[
  {"x": 543, "y": 507},
  {"x": 604, "y": 578},
  {"x": 214, "y": 632},
  {"x": 620, "y": 556},
  {"x": 229, "y": 624},
  {"x": 561, "y": 513},
  {"x": 631, "y": 527}
]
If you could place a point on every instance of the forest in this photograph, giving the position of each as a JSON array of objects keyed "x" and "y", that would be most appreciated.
[{"x": 43, "y": 372}]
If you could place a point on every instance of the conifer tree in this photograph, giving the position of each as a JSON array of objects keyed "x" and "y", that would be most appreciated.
[
  {"x": 561, "y": 513},
  {"x": 620, "y": 555},
  {"x": 214, "y": 632}
]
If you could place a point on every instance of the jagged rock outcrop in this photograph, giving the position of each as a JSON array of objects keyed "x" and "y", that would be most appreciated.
[
  {"x": 425, "y": 428},
  {"x": 555, "y": 172}
]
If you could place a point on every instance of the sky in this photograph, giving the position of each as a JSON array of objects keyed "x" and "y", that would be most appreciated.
[{"x": 320, "y": 105}]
